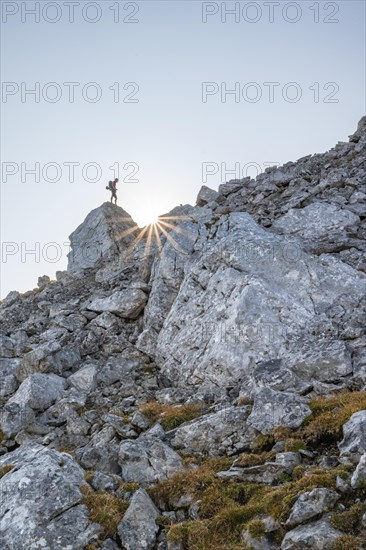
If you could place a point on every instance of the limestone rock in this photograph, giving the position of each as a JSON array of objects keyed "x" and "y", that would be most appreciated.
[
  {"x": 322, "y": 227},
  {"x": 8, "y": 380},
  {"x": 139, "y": 529},
  {"x": 358, "y": 478},
  {"x": 261, "y": 543},
  {"x": 289, "y": 460},
  {"x": 319, "y": 535},
  {"x": 6, "y": 347},
  {"x": 105, "y": 232},
  {"x": 167, "y": 274},
  {"x": 41, "y": 501},
  {"x": 272, "y": 409},
  {"x": 16, "y": 417},
  {"x": 222, "y": 432},
  {"x": 311, "y": 504},
  {"x": 251, "y": 303},
  {"x": 102, "y": 482},
  {"x": 109, "y": 544},
  {"x": 275, "y": 375},
  {"x": 246, "y": 300},
  {"x": 39, "y": 391},
  {"x": 36, "y": 393},
  {"x": 84, "y": 379},
  {"x": 50, "y": 357},
  {"x": 206, "y": 195},
  {"x": 147, "y": 460},
  {"x": 11, "y": 298},
  {"x": 353, "y": 444},
  {"x": 267, "y": 473},
  {"x": 43, "y": 281},
  {"x": 101, "y": 453},
  {"x": 126, "y": 303},
  {"x": 42, "y": 358}
]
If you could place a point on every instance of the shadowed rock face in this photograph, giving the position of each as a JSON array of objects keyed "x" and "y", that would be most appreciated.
[{"x": 202, "y": 337}]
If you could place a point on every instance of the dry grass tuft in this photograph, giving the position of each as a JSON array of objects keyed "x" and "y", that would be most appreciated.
[
  {"x": 350, "y": 521},
  {"x": 329, "y": 414},
  {"x": 6, "y": 469},
  {"x": 105, "y": 509},
  {"x": 347, "y": 542},
  {"x": 170, "y": 417}
]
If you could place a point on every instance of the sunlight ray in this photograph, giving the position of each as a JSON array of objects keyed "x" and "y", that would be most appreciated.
[
  {"x": 158, "y": 239},
  {"x": 128, "y": 232},
  {"x": 148, "y": 244},
  {"x": 177, "y": 229},
  {"x": 171, "y": 240}
]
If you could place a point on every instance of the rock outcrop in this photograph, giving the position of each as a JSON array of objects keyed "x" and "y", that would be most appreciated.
[
  {"x": 198, "y": 382},
  {"x": 106, "y": 232}
]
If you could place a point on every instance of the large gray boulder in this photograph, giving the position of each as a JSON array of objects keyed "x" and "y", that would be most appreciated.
[
  {"x": 218, "y": 433},
  {"x": 39, "y": 391},
  {"x": 312, "y": 504},
  {"x": 41, "y": 502},
  {"x": 319, "y": 535},
  {"x": 147, "y": 460},
  {"x": 138, "y": 529},
  {"x": 106, "y": 231},
  {"x": 250, "y": 297},
  {"x": 36, "y": 393},
  {"x": 126, "y": 303},
  {"x": 272, "y": 408}
]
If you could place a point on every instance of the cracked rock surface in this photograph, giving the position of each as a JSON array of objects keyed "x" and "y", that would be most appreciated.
[{"x": 200, "y": 382}]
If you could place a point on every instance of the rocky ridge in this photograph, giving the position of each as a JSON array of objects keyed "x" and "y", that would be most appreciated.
[{"x": 200, "y": 383}]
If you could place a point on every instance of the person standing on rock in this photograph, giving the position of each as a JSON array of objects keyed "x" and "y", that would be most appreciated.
[{"x": 112, "y": 186}]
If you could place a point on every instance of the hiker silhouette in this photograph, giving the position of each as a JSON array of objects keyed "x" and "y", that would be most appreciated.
[{"x": 112, "y": 187}]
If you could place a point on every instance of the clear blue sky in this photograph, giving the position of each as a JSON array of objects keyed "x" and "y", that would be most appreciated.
[{"x": 170, "y": 131}]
